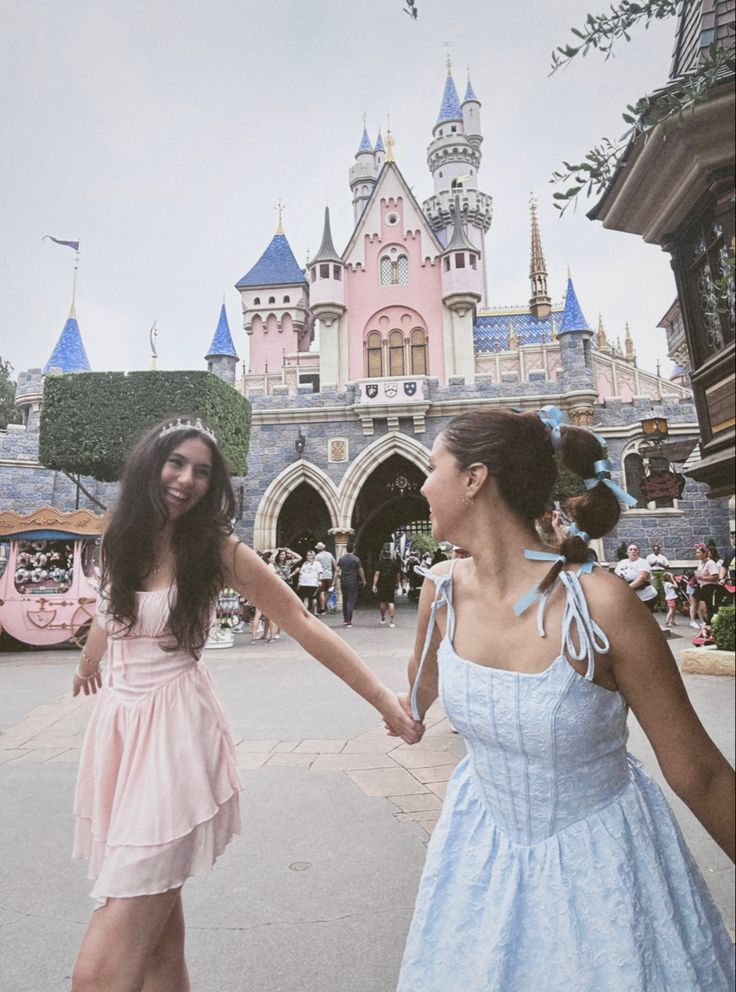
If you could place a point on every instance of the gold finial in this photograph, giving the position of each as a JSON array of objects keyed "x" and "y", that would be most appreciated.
[
  {"x": 389, "y": 142},
  {"x": 280, "y": 207},
  {"x": 153, "y": 338}
]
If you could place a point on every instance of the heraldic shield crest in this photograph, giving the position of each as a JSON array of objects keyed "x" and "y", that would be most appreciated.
[
  {"x": 410, "y": 388},
  {"x": 390, "y": 389},
  {"x": 371, "y": 390}
]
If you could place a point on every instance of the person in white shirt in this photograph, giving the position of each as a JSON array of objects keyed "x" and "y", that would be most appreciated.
[
  {"x": 637, "y": 572},
  {"x": 670, "y": 596},
  {"x": 708, "y": 577},
  {"x": 311, "y": 574},
  {"x": 327, "y": 561},
  {"x": 658, "y": 563}
]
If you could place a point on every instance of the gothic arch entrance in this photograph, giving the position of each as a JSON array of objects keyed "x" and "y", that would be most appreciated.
[
  {"x": 303, "y": 520},
  {"x": 388, "y": 500}
]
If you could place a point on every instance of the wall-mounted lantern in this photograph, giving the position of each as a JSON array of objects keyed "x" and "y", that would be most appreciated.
[{"x": 300, "y": 443}]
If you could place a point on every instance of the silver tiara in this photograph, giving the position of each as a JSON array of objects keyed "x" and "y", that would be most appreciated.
[{"x": 187, "y": 425}]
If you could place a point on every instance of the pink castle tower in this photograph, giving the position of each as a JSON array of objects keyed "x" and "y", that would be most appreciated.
[{"x": 275, "y": 300}]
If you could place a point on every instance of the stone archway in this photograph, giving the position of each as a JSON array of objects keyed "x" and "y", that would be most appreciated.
[
  {"x": 368, "y": 461},
  {"x": 265, "y": 527}
]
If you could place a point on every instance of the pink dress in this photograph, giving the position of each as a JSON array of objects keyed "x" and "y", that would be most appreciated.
[{"x": 157, "y": 792}]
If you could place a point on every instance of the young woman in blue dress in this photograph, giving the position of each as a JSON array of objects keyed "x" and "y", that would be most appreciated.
[{"x": 556, "y": 863}]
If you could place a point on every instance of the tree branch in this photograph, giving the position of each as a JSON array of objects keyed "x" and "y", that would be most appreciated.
[{"x": 77, "y": 480}]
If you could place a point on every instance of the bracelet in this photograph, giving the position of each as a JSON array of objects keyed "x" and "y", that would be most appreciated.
[{"x": 86, "y": 678}]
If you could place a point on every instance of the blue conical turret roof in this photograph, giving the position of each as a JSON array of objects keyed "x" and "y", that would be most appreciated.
[
  {"x": 276, "y": 266},
  {"x": 450, "y": 109},
  {"x": 69, "y": 354},
  {"x": 365, "y": 143},
  {"x": 222, "y": 343},
  {"x": 380, "y": 147},
  {"x": 573, "y": 318},
  {"x": 470, "y": 93}
]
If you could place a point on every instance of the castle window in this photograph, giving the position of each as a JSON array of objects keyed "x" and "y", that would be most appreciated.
[
  {"x": 314, "y": 273},
  {"x": 287, "y": 299},
  {"x": 394, "y": 272},
  {"x": 453, "y": 129},
  {"x": 324, "y": 271},
  {"x": 634, "y": 473},
  {"x": 418, "y": 352},
  {"x": 256, "y": 301},
  {"x": 272, "y": 299},
  {"x": 446, "y": 261},
  {"x": 374, "y": 355},
  {"x": 336, "y": 272},
  {"x": 459, "y": 259},
  {"x": 396, "y": 353},
  {"x": 473, "y": 262}
]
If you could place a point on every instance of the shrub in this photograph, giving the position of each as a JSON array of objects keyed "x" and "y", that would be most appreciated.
[
  {"x": 91, "y": 420},
  {"x": 723, "y": 628}
]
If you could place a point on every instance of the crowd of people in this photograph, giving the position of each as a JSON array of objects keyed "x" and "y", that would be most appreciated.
[
  {"x": 694, "y": 593},
  {"x": 556, "y": 863}
]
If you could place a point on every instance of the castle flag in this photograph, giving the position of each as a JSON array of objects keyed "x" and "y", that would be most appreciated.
[{"x": 69, "y": 244}]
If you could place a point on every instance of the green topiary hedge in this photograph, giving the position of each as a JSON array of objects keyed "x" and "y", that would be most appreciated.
[
  {"x": 723, "y": 628},
  {"x": 91, "y": 420}
]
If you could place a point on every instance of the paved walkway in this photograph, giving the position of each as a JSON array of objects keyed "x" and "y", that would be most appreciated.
[{"x": 317, "y": 894}]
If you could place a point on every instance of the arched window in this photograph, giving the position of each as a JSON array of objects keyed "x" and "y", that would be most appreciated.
[
  {"x": 396, "y": 353},
  {"x": 287, "y": 299},
  {"x": 374, "y": 355},
  {"x": 418, "y": 352},
  {"x": 394, "y": 271},
  {"x": 272, "y": 299},
  {"x": 256, "y": 301}
]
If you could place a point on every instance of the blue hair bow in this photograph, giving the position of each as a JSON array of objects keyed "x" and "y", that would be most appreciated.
[
  {"x": 552, "y": 417},
  {"x": 602, "y": 471},
  {"x": 523, "y": 604},
  {"x": 573, "y": 531}
]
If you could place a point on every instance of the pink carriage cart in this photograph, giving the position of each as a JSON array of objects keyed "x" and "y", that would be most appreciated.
[{"x": 48, "y": 574}]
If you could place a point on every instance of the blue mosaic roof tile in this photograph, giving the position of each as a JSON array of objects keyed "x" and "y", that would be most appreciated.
[
  {"x": 276, "y": 267},
  {"x": 450, "y": 109},
  {"x": 222, "y": 342},
  {"x": 365, "y": 143},
  {"x": 470, "y": 93},
  {"x": 491, "y": 331},
  {"x": 573, "y": 318},
  {"x": 380, "y": 147},
  {"x": 69, "y": 354}
]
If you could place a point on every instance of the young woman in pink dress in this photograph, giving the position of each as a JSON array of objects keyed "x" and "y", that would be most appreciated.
[{"x": 157, "y": 794}]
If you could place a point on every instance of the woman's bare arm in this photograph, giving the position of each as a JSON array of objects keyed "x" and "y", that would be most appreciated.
[
  {"x": 647, "y": 676},
  {"x": 246, "y": 573}
]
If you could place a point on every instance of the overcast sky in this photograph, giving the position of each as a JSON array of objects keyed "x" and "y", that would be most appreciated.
[{"x": 161, "y": 134}]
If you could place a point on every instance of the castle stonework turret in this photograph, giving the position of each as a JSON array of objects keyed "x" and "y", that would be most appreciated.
[
  {"x": 454, "y": 158},
  {"x": 222, "y": 356},
  {"x": 462, "y": 290},
  {"x": 575, "y": 338},
  {"x": 363, "y": 174},
  {"x": 275, "y": 301}
]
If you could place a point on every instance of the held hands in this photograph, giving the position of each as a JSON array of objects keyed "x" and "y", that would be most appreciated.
[
  {"x": 397, "y": 718},
  {"x": 87, "y": 677}
]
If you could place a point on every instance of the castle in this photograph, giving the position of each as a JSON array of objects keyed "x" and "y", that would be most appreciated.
[{"x": 341, "y": 433}]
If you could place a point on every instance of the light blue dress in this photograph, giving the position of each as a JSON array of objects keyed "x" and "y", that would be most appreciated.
[{"x": 557, "y": 864}]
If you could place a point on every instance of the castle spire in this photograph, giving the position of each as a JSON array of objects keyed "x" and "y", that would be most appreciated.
[
  {"x": 629, "y": 343},
  {"x": 540, "y": 302},
  {"x": 601, "y": 339},
  {"x": 327, "y": 251}
]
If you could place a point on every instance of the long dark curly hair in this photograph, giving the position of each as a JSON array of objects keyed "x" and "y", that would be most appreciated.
[{"x": 140, "y": 513}]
